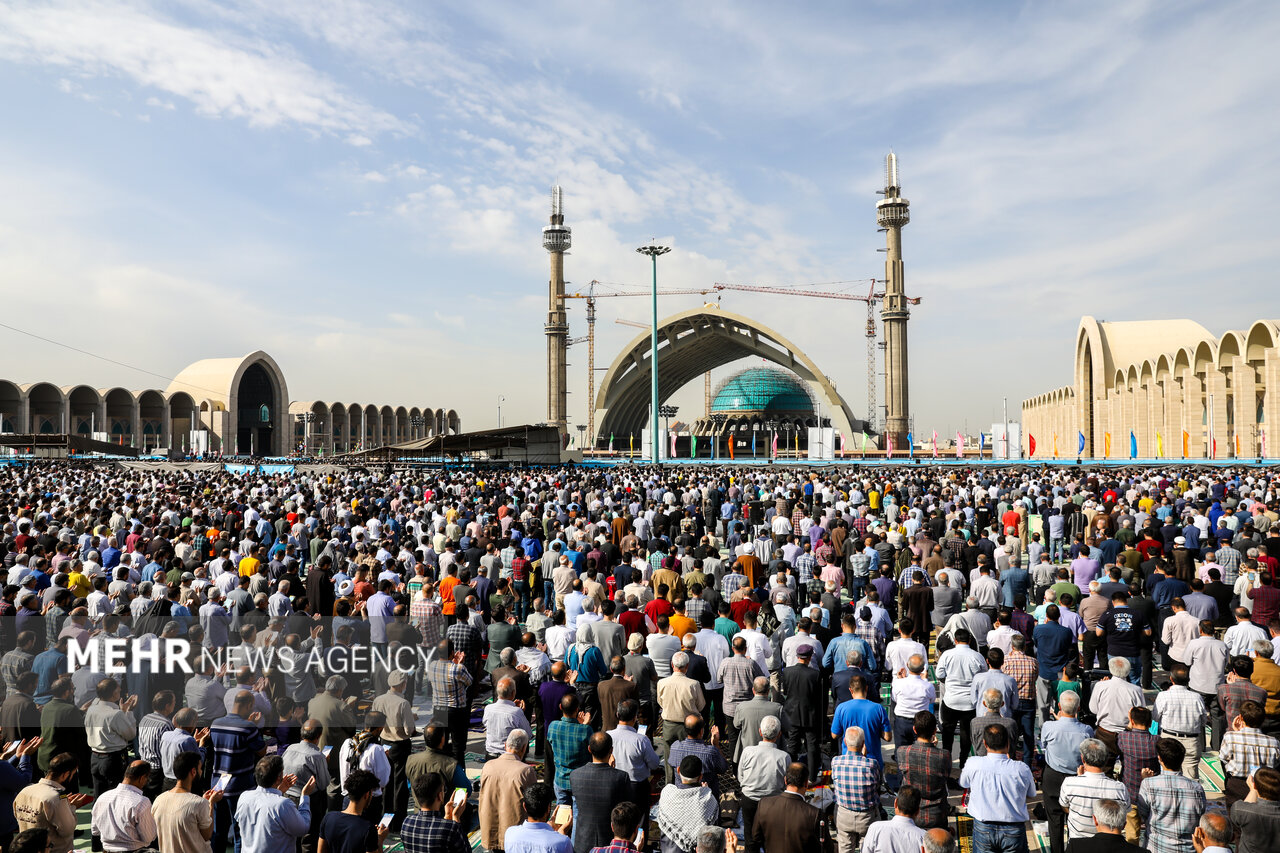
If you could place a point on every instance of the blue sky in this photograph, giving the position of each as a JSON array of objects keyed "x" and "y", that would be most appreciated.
[{"x": 358, "y": 187}]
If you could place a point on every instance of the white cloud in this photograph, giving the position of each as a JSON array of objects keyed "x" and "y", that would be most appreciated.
[{"x": 220, "y": 75}]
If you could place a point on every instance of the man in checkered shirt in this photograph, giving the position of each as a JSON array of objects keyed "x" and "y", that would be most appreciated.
[
  {"x": 806, "y": 564},
  {"x": 435, "y": 828},
  {"x": 1245, "y": 747},
  {"x": 1169, "y": 804},
  {"x": 855, "y": 779},
  {"x": 1181, "y": 715},
  {"x": 1022, "y": 667}
]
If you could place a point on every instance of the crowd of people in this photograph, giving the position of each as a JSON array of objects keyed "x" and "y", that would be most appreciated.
[{"x": 626, "y": 658}]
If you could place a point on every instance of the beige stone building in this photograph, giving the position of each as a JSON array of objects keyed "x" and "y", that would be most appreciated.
[
  {"x": 231, "y": 405},
  {"x": 1176, "y": 387}
]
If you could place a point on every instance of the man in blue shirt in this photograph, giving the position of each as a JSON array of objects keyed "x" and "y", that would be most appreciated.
[
  {"x": 237, "y": 743},
  {"x": 267, "y": 821},
  {"x": 1060, "y": 741},
  {"x": 536, "y": 835},
  {"x": 999, "y": 788},
  {"x": 1055, "y": 648},
  {"x": 866, "y": 715}
]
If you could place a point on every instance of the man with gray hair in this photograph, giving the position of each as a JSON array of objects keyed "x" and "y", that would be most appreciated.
[
  {"x": 1079, "y": 793},
  {"x": 938, "y": 841},
  {"x": 761, "y": 772},
  {"x": 503, "y": 782},
  {"x": 855, "y": 781},
  {"x": 749, "y": 715},
  {"x": 679, "y": 696},
  {"x": 993, "y": 707},
  {"x": 1060, "y": 741},
  {"x": 1108, "y": 821},
  {"x": 1111, "y": 700},
  {"x": 501, "y": 717},
  {"x": 1213, "y": 833}
]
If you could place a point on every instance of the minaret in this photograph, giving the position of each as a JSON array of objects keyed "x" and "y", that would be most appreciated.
[
  {"x": 893, "y": 212},
  {"x": 556, "y": 239}
]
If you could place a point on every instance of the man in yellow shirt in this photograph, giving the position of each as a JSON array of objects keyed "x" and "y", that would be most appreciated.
[{"x": 249, "y": 564}]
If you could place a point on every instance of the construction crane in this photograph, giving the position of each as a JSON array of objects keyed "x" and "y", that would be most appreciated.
[
  {"x": 871, "y": 299},
  {"x": 591, "y": 296}
]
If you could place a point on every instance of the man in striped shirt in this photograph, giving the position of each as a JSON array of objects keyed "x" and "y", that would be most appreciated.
[
  {"x": 151, "y": 729},
  {"x": 1079, "y": 793}
]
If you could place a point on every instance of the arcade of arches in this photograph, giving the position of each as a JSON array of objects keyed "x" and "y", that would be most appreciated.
[
  {"x": 237, "y": 406},
  {"x": 1163, "y": 381}
]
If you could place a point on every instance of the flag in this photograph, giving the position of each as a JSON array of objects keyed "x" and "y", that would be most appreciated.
[
  {"x": 773, "y": 447},
  {"x": 797, "y": 442},
  {"x": 982, "y": 445},
  {"x": 693, "y": 447},
  {"x": 1133, "y": 445},
  {"x": 959, "y": 445},
  {"x": 1106, "y": 445},
  {"x": 731, "y": 445},
  {"x": 1080, "y": 448},
  {"x": 1159, "y": 445},
  {"x": 888, "y": 446},
  {"x": 1262, "y": 440},
  {"x": 842, "y": 446},
  {"x": 753, "y": 443},
  {"x": 673, "y": 445},
  {"x": 1055, "y": 445},
  {"x": 1186, "y": 444},
  {"x": 864, "y": 443},
  {"x": 911, "y": 446},
  {"x": 1239, "y": 450},
  {"x": 935, "y": 444},
  {"x": 1213, "y": 448}
]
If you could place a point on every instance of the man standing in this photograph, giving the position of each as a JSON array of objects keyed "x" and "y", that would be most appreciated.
[
  {"x": 899, "y": 834},
  {"x": 1170, "y": 804},
  {"x": 1207, "y": 657},
  {"x": 998, "y": 792},
  {"x": 122, "y": 817},
  {"x": 1111, "y": 700},
  {"x": 1080, "y": 792},
  {"x": 679, "y": 696},
  {"x": 912, "y": 692},
  {"x": 801, "y": 688},
  {"x": 110, "y": 725},
  {"x": 855, "y": 780},
  {"x": 1060, "y": 741},
  {"x": 450, "y": 691},
  {"x": 957, "y": 668},
  {"x": 47, "y": 805},
  {"x": 1246, "y": 747},
  {"x": 266, "y": 819},
  {"x": 303, "y": 761},
  {"x": 1055, "y": 648},
  {"x": 184, "y": 819},
  {"x": 927, "y": 768},
  {"x": 597, "y": 788},
  {"x": 786, "y": 823},
  {"x": 761, "y": 773},
  {"x": 1181, "y": 716},
  {"x": 1109, "y": 822},
  {"x": 397, "y": 740}
]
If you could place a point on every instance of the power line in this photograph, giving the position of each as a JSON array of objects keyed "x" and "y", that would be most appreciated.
[{"x": 102, "y": 357}]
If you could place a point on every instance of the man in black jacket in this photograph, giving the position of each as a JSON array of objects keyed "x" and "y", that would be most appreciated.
[
  {"x": 597, "y": 788},
  {"x": 801, "y": 691},
  {"x": 1108, "y": 817}
]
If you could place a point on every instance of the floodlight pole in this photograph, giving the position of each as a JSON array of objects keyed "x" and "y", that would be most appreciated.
[{"x": 653, "y": 251}]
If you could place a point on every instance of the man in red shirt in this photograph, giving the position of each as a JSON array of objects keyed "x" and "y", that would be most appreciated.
[{"x": 1265, "y": 598}]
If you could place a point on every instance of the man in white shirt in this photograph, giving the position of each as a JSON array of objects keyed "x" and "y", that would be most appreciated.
[
  {"x": 122, "y": 817},
  {"x": 1179, "y": 630},
  {"x": 897, "y": 653},
  {"x": 912, "y": 692}
]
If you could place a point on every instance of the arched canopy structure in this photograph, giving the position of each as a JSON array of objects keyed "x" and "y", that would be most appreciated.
[
  {"x": 691, "y": 343},
  {"x": 255, "y": 396}
]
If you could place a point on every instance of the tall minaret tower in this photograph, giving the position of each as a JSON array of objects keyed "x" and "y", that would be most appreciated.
[
  {"x": 893, "y": 212},
  {"x": 556, "y": 239}
]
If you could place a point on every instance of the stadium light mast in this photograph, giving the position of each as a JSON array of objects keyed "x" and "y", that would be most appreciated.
[{"x": 653, "y": 251}]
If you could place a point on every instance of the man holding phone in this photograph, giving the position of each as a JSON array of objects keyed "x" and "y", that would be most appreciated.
[
  {"x": 537, "y": 834},
  {"x": 347, "y": 831}
]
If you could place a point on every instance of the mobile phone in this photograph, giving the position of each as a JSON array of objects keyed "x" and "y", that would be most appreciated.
[
  {"x": 642, "y": 729},
  {"x": 327, "y": 750},
  {"x": 386, "y": 819},
  {"x": 639, "y": 839},
  {"x": 459, "y": 797},
  {"x": 11, "y": 745},
  {"x": 221, "y": 783},
  {"x": 563, "y": 815}
]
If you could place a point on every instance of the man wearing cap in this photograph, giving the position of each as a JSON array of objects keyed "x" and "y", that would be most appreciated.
[{"x": 396, "y": 739}]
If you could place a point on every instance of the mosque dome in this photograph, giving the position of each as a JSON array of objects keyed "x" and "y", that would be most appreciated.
[{"x": 763, "y": 389}]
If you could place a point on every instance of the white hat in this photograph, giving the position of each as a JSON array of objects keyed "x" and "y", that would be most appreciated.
[
  {"x": 749, "y": 548},
  {"x": 344, "y": 588}
]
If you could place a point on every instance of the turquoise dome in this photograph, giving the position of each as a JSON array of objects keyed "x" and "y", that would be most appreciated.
[{"x": 762, "y": 389}]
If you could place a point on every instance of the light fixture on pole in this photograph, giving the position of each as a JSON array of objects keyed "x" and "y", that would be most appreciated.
[
  {"x": 668, "y": 412},
  {"x": 582, "y": 435},
  {"x": 717, "y": 418},
  {"x": 653, "y": 251},
  {"x": 501, "y": 400}
]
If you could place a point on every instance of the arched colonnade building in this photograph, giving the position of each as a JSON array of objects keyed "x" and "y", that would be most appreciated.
[
  {"x": 1160, "y": 379},
  {"x": 238, "y": 406}
]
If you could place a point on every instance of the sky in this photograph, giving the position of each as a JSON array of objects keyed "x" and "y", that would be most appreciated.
[{"x": 358, "y": 187}]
